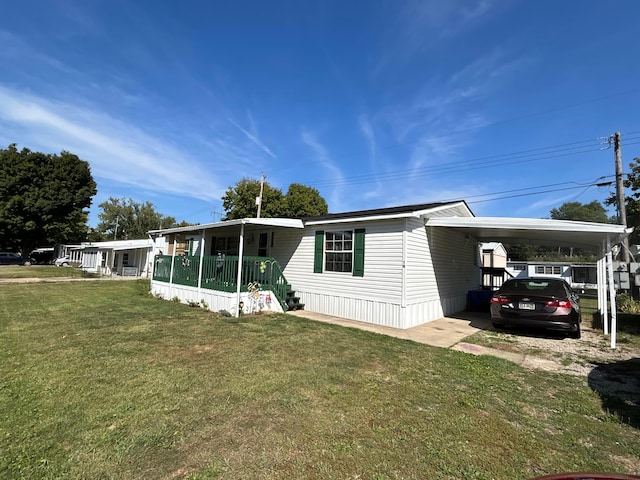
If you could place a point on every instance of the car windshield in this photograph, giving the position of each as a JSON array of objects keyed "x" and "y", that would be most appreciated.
[{"x": 534, "y": 287}]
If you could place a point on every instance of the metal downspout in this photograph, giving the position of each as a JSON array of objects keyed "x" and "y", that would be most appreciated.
[{"x": 239, "y": 276}]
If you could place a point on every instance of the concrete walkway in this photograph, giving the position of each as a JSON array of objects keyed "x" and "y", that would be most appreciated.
[
  {"x": 445, "y": 332},
  {"x": 65, "y": 279}
]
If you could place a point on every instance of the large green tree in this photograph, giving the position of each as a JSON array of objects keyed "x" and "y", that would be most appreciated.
[
  {"x": 303, "y": 201},
  {"x": 239, "y": 201},
  {"x": 632, "y": 201},
  {"x": 124, "y": 219},
  {"x": 43, "y": 198},
  {"x": 582, "y": 212}
]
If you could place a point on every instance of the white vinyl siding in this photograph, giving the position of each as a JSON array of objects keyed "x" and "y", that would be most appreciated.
[
  {"x": 440, "y": 271},
  {"x": 335, "y": 293},
  {"x": 378, "y": 296}
]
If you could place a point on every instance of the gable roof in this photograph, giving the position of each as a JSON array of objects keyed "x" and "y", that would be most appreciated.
[{"x": 415, "y": 210}]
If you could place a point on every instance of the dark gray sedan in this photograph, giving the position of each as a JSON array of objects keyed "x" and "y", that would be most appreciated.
[
  {"x": 547, "y": 303},
  {"x": 10, "y": 258}
]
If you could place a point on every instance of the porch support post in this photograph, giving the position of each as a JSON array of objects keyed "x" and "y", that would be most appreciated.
[
  {"x": 173, "y": 257},
  {"x": 239, "y": 275},
  {"x": 200, "y": 264}
]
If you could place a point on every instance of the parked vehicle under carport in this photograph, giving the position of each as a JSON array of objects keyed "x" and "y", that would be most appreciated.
[{"x": 547, "y": 303}]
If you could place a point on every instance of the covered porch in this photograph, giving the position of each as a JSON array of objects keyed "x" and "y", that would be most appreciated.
[{"x": 231, "y": 266}]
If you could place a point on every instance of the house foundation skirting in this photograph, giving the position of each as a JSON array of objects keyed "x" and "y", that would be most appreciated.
[
  {"x": 428, "y": 311},
  {"x": 264, "y": 301},
  {"x": 378, "y": 312}
]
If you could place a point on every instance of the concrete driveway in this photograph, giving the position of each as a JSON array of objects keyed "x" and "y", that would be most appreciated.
[{"x": 444, "y": 332}]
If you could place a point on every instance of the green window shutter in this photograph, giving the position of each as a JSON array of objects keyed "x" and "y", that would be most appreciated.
[
  {"x": 358, "y": 253},
  {"x": 318, "y": 252}
]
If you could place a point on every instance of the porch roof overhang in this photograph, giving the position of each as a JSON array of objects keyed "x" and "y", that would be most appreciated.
[
  {"x": 265, "y": 222},
  {"x": 535, "y": 231},
  {"x": 123, "y": 247}
]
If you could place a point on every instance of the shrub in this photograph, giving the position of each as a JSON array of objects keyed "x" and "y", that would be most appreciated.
[{"x": 625, "y": 303}]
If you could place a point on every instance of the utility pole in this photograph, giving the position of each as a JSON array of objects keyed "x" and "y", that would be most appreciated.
[
  {"x": 259, "y": 199},
  {"x": 622, "y": 209},
  {"x": 115, "y": 233}
]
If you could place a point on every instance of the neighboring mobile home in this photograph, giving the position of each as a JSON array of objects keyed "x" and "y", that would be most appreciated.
[
  {"x": 128, "y": 258},
  {"x": 581, "y": 276}
]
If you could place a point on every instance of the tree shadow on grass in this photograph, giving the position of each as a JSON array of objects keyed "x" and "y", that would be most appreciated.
[{"x": 618, "y": 385}]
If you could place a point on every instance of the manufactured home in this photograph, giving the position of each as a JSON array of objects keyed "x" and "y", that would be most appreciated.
[
  {"x": 127, "y": 258},
  {"x": 398, "y": 267}
]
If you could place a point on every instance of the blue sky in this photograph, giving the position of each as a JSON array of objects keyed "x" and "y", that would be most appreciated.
[{"x": 374, "y": 103}]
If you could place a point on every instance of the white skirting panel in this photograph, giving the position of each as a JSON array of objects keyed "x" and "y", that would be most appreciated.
[
  {"x": 363, "y": 310},
  {"x": 217, "y": 301},
  {"x": 425, "y": 312},
  {"x": 382, "y": 313}
]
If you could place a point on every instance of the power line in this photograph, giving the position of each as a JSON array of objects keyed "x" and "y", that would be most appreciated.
[
  {"x": 531, "y": 194},
  {"x": 448, "y": 168},
  {"x": 519, "y": 157}
]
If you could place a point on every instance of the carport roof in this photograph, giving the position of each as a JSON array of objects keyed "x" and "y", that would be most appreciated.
[{"x": 535, "y": 231}]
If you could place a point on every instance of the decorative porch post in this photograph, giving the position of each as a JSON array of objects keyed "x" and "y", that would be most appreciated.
[
  {"x": 173, "y": 258},
  {"x": 201, "y": 262},
  {"x": 239, "y": 276}
]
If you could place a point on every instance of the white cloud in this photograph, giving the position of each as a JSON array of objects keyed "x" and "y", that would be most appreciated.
[
  {"x": 116, "y": 150},
  {"x": 253, "y": 136},
  {"x": 322, "y": 156}
]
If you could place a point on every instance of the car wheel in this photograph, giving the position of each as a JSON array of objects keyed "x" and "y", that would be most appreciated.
[
  {"x": 65, "y": 264},
  {"x": 577, "y": 334},
  {"x": 27, "y": 263}
]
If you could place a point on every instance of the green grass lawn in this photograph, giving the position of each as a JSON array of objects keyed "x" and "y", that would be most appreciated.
[
  {"x": 38, "y": 271},
  {"x": 101, "y": 380}
]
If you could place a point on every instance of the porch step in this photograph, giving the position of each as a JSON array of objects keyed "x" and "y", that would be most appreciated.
[{"x": 293, "y": 302}]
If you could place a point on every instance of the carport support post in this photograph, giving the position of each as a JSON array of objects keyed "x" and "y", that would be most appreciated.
[
  {"x": 602, "y": 294},
  {"x": 612, "y": 300}
]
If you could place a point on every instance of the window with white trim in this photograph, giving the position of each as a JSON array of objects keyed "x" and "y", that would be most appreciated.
[
  {"x": 338, "y": 251},
  {"x": 548, "y": 269}
]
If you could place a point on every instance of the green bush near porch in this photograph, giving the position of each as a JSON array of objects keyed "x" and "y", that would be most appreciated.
[{"x": 102, "y": 380}]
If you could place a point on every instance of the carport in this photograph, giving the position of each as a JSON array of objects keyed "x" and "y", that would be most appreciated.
[{"x": 530, "y": 231}]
